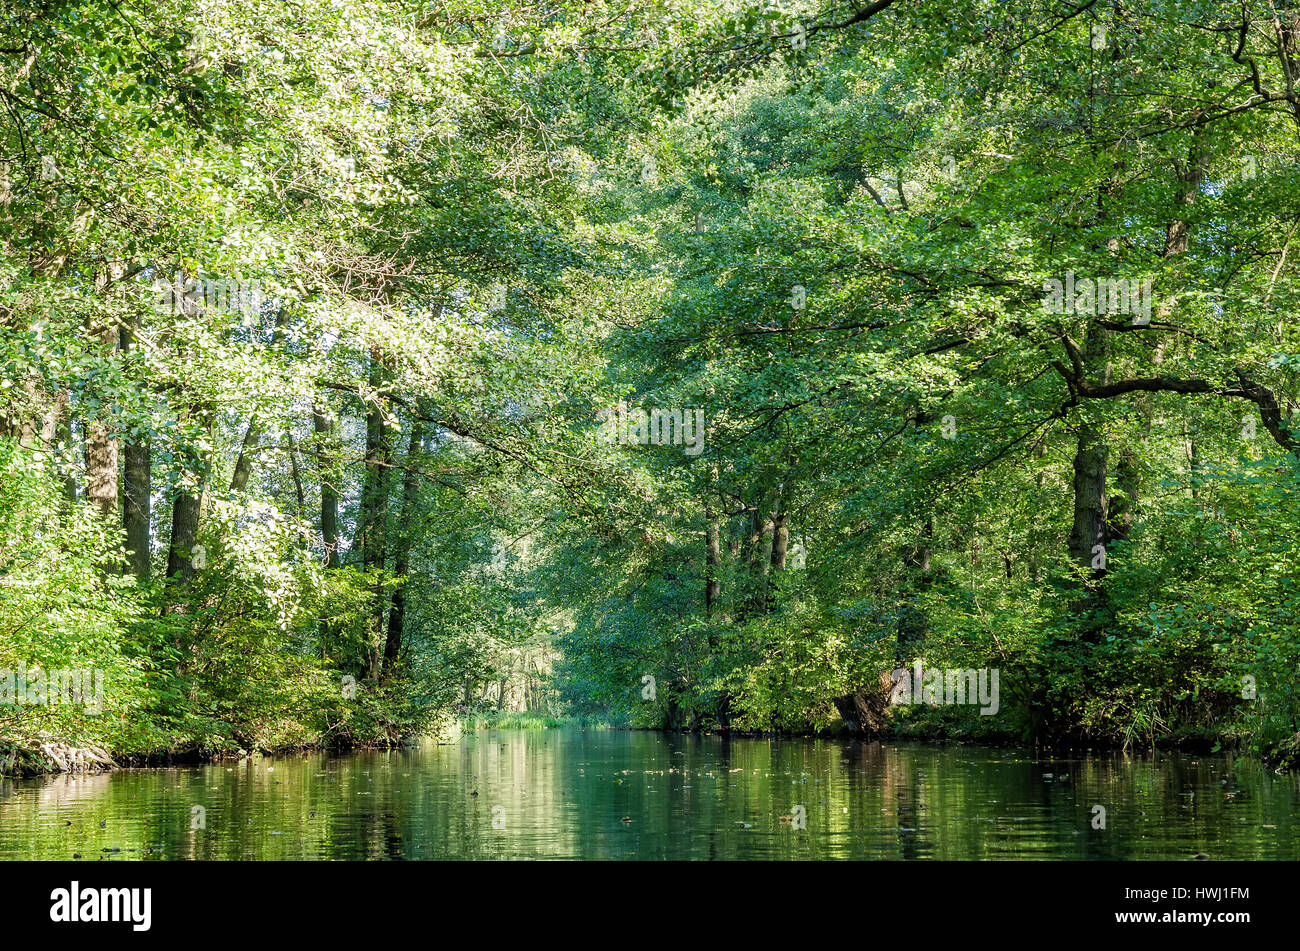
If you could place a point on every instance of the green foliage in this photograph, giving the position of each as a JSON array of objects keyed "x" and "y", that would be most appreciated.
[{"x": 380, "y": 494}]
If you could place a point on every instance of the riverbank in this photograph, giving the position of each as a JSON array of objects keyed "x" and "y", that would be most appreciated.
[
  {"x": 49, "y": 754},
  {"x": 46, "y": 753},
  {"x": 941, "y": 724}
]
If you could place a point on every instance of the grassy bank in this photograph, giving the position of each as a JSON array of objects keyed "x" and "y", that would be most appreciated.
[{"x": 492, "y": 720}]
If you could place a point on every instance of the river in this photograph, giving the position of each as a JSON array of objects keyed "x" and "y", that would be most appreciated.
[{"x": 570, "y": 793}]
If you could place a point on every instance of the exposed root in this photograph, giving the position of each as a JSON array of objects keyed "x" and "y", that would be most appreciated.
[{"x": 46, "y": 753}]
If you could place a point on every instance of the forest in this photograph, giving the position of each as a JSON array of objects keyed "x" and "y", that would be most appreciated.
[{"x": 371, "y": 365}]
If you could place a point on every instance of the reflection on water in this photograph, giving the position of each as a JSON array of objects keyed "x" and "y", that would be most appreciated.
[{"x": 634, "y": 795}]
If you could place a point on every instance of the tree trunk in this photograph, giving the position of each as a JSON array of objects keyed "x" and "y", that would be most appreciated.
[
  {"x": 780, "y": 526},
  {"x": 1122, "y": 505},
  {"x": 712, "y": 545},
  {"x": 253, "y": 435},
  {"x": 187, "y": 509},
  {"x": 185, "y": 534},
  {"x": 101, "y": 464},
  {"x": 1088, "y": 529},
  {"x": 712, "y": 565},
  {"x": 1039, "y": 453},
  {"x": 780, "y": 540},
  {"x": 101, "y": 443},
  {"x": 752, "y": 557},
  {"x": 402, "y": 552},
  {"x": 63, "y": 431},
  {"x": 1089, "y": 526},
  {"x": 25, "y": 428},
  {"x": 865, "y": 712},
  {"x": 326, "y": 441},
  {"x": 136, "y": 488},
  {"x": 753, "y": 545},
  {"x": 136, "y": 513},
  {"x": 244, "y": 462},
  {"x": 326, "y": 437},
  {"x": 299, "y": 496},
  {"x": 374, "y": 513}
]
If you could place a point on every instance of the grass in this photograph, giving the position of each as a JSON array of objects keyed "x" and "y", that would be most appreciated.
[{"x": 492, "y": 720}]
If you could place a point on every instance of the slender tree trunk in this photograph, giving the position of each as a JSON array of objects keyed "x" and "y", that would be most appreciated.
[
  {"x": 374, "y": 514},
  {"x": 326, "y": 440},
  {"x": 402, "y": 551},
  {"x": 712, "y": 565},
  {"x": 1034, "y": 569},
  {"x": 753, "y": 542},
  {"x": 1088, "y": 529},
  {"x": 1122, "y": 508},
  {"x": 244, "y": 462},
  {"x": 63, "y": 430},
  {"x": 187, "y": 513},
  {"x": 780, "y": 547},
  {"x": 101, "y": 465},
  {"x": 50, "y": 419},
  {"x": 326, "y": 437},
  {"x": 136, "y": 489},
  {"x": 765, "y": 551},
  {"x": 24, "y": 427},
  {"x": 713, "y": 583},
  {"x": 101, "y": 441},
  {"x": 780, "y": 540},
  {"x": 56, "y": 436},
  {"x": 136, "y": 515},
  {"x": 253, "y": 435},
  {"x": 712, "y": 545},
  {"x": 752, "y": 558},
  {"x": 299, "y": 496}
]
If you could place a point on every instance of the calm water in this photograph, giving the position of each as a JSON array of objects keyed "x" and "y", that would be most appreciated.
[{"x": 570, "y": 794}]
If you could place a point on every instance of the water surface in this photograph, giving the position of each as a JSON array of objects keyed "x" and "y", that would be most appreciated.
[{"x": 638, "y": 795}]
